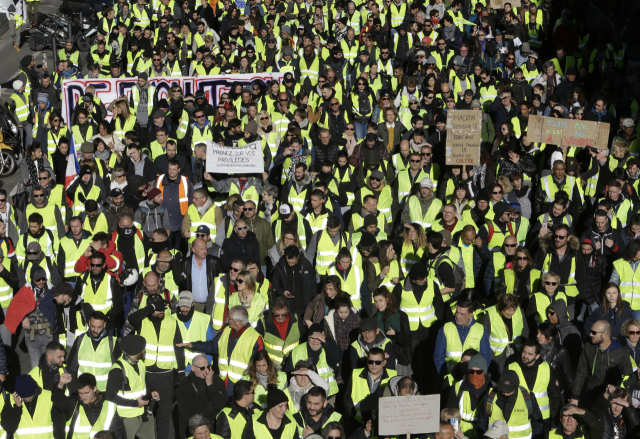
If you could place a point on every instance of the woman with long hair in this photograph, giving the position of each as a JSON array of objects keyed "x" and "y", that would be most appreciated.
[
  {"x": 264, "y": 375},
  {"x": 288, "y": 238},
  {"x": 123, "y": 120},
  {"x": 363, "y": 103},
  {"x": 271, "y": 98},
  {"x": 521, "y": 279},
  {"x": 59, "y": 160},
  {"x": 432, "y": 83},
  {"x": 463, "y": 202},
  {"x": 453, "y": 177},
  {"x": 246, "y": 295},
  {"x": 350, "y": 137},
  {"x": 321, "y": 303},
  {"x": 256, "y": 20},
  {"x": 245, "y": 66},
  {"x": 55, "y": 130},
  {"x": 351, "y": 276},
  {"x": 612, "y": 309},
  {"x": 384, "y": 103},
  {"x": 105, "y": 133},
  {"x": 505, "y": 139},
  {"x": 342, "y": 324},
  {"x": 414, "y": 244},
  {"x": 395, "y": 324},
  {"x": 577, "y": 98},
  {"x": 382, "y": 267},
  {"x": 334, "y": 430},
  {"x": 630, "y": 333}
]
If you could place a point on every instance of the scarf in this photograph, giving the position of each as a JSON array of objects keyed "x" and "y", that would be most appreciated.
[
  {"x": 449, "y": 32},
  {"x": 34, "y": 166},
  {"x": 282, "y": 327},
  {"x": 547, "y": 349},
  {"x": 343, "y": 328},
  {"x": 202, "y": 210},
  {"x": 104, "y": 155},
  {"x": 476, "y": 380},
  {"x": 479, "y": 171},
  {"x": 264, "y": 379}
]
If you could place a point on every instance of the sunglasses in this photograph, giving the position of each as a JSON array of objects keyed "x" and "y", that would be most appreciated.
[
  {"x": 426, "y": 154},
  {"x": 56, "y": 120},
  {"x": 550, "y": 283},
  {"x": 496, "y": 193},
  {"x": 283, "y": 100},
  {"x": 416, "y": 161},
  {"x": 96, "y": 265},
  {"x": 559, "y": 237},
  {"x": 633, "y": 332},
  {"x": 242, "y": 228},
  {"x": 335, "y": 104},
  {"x": 350, "y": 129},
  {"x": 200, "y": 235},
  {"x": 475, "y": 372},
  {"x": 511, "y": 245},
  {"x": 596, "y": 332},
  {"x": 522, "y": 258},
  {"x": 235, "y": 270},
  {"x": 240, "y": 281},
  {"x": 375, "y": 179},
  {"x": 200, "y": 117},
  {"x": 376, "y": 362},
  {"x": 38, "y": 195},
  {"x": 264, "y": 118},
  {"x": 156, "y": 59},
  {"x": 202, "y": 368},
  {"x": 42, "y": 178},
  {"x": 248, "y": 209},
  {"x": 551, "y": 313},
  {"x": 280, "y": 315}
]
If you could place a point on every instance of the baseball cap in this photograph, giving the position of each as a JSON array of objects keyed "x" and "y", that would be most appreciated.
[
  {"x": 116, "y": 192},
  {"x": 185, "y": 299},
  {"x": 203, "y": 229},
  {"x": 497, "y": 429},
  {"x": 426, "y": 182},
  {"x": 628, "y": 123},
  {"x": 285, "y": 209}
]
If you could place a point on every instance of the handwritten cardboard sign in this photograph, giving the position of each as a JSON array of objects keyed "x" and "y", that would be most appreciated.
[
  {"x": 414, "y": 414},
  {"x": 464, "y": 135},
  {"x": 569, "y": 132},
  {"x": 245, "y": 159},
  {"x": 499, "y": 4}
]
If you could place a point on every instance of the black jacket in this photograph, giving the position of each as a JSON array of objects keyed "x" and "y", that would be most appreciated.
[
  {"x": 262, "y": 419},
  {"x": 222, "y": 422},
  {"x": 192, "y": 400},
  {"x": 213, "y": 269},
  {"x": 234, "y": 247},
  {"x": 11, "y": 415},
  {"x": 558, "y": 358},
  {"x": 308, "y": 279},
  {"x": 67, "y": 405},
  {"x": 530, "y": 374},
  {"x": 628, "y": 423}
]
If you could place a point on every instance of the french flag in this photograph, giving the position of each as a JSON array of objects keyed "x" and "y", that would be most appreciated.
[{"x": 73, "y": 166}]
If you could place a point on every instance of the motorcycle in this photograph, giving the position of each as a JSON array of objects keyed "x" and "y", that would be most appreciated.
[
  {"x": 62, "y": 28},
  {"x": 10, "y": 143}
]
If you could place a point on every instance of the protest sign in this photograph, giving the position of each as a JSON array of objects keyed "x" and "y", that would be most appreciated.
[
  {"x": 464, "y": 135},
  {"x": 245, "y": 159},
  {"x": 569, "y": 132},
  {"x": 499, "y": 4},
  {"x": 415, "y": 414},
  {"x": 109, "y": 89}
]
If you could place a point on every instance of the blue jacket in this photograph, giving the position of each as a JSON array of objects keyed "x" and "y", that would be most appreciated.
[{"x": 441, "y": 345}]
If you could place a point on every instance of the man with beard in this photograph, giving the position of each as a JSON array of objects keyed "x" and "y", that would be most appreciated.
[
  {"x": 73, "y": 245},
  {"x": 115, "y": 202},
  {"x": 202, "y": 391},
  {"x": 162, "y": 357},
  {"x": 93, "y": 350},
  {"x": 86, "y": 187},
  {"x": 315, "y": 412},
  {"x": 238, "y": 411},
  {"x": 50, "y": 212},
  {"x": 539, "y": 378}
]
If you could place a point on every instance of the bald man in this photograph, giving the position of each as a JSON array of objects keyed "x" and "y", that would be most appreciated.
[
  {"x": 242, "y": 244},
  {"x": 603, "y": 361}
]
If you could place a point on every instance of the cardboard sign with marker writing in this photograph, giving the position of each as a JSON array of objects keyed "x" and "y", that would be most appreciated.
[
  {"x": 414, "y": 414},
  {"x": 464, "y": 135},
  {"x": 569, "y": 132},
  {"x": 499, "y": 4}
]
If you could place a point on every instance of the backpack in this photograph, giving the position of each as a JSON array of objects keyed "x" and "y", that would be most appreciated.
[{"x": 457, "y": 273}]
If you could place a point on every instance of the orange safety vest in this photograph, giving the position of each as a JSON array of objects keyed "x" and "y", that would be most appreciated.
[{"x": 184, "y": 201}]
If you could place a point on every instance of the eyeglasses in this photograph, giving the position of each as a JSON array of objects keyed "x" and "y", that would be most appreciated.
[
  {"x": 283, "y": 100},
  {"x": 156, "y": 59},
  {"x": 242, "y": 228},
  {"x": 33, "y": 253},
  {"x": 43, "y": 178},
  {"x": 475, "y": 372},
  {"x": 240, "y": 281},
  {"x": 442, "y": 44},
  {"x": 200, "y": 235},
  {"x": 94, "y": 265},
  {"x": 375, "y": 179},
  {"x": 56, "y": 120},
  {"x": 264, "y": 118},
  {"x": 553, "y": 284},
  {"x": 200, "y": 117},
  {"x": 334, "y": 437},
  {"x": 511, "y": 59},
  {"x": 376, "y": 362},
  {"x": 335, "y": 104},
  {"x": 384, "y": 99},
  {"x": 559, "y": 237}
]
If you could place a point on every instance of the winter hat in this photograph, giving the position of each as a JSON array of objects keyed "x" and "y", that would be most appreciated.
[
  {"x": 418, "y": 271},
  {"x": 479, "y": 362},
  {"x": 26, "y": 60},
  {"x": 483, "y": 195},
  {"x": 153, "y": 193},
  {"x": 43, "y": 97},
  {"x": 367, "y": 241},
  {"x": 17, "y": 84},
  {"x": 370, "y": 220},
  {"x": 25, "y": 386},
  {"x": 252, "y": 127},
  {"x": 275, "y": 397}
]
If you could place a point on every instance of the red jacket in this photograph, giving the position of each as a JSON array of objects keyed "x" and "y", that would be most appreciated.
[{"x": 113, "y": 259}]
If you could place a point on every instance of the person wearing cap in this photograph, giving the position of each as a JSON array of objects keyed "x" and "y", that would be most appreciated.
[
  {"x": 627, "y": 134},
  {"x": 274, "y": 418},
  {"x": 494, "y": 231},
  {"x": 127, "y": 388},
  {"x": 371, "y": 337},
  {"x": 87, "y": 186},
  {"x": 459, "y": 335},
  {"x": 30, "y": 407},
  {"x": 162, "y": 357},
  {"x": 497, "y": 430},
  {"x": 40, "y": 115},
  {"x": 193, "y": 324},
  {"x": 151, "y": 215},
  {"x": 422, "y": 207},
  {"x": 93, "y": 412},
  {"x": 469, "y": 395},
  {"x": 539, "y": 378},
  {"x": 509, "y": 399}
]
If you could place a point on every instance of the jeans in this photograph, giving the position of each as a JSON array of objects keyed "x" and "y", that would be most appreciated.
[
  {"x": 263, "y": 268},
  {"x": 361, "y": 130},
  {"x": 37, "y": 347}
]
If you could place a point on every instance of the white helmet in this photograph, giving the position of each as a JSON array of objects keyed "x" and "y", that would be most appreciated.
[{"x": 129, "y": 277}]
